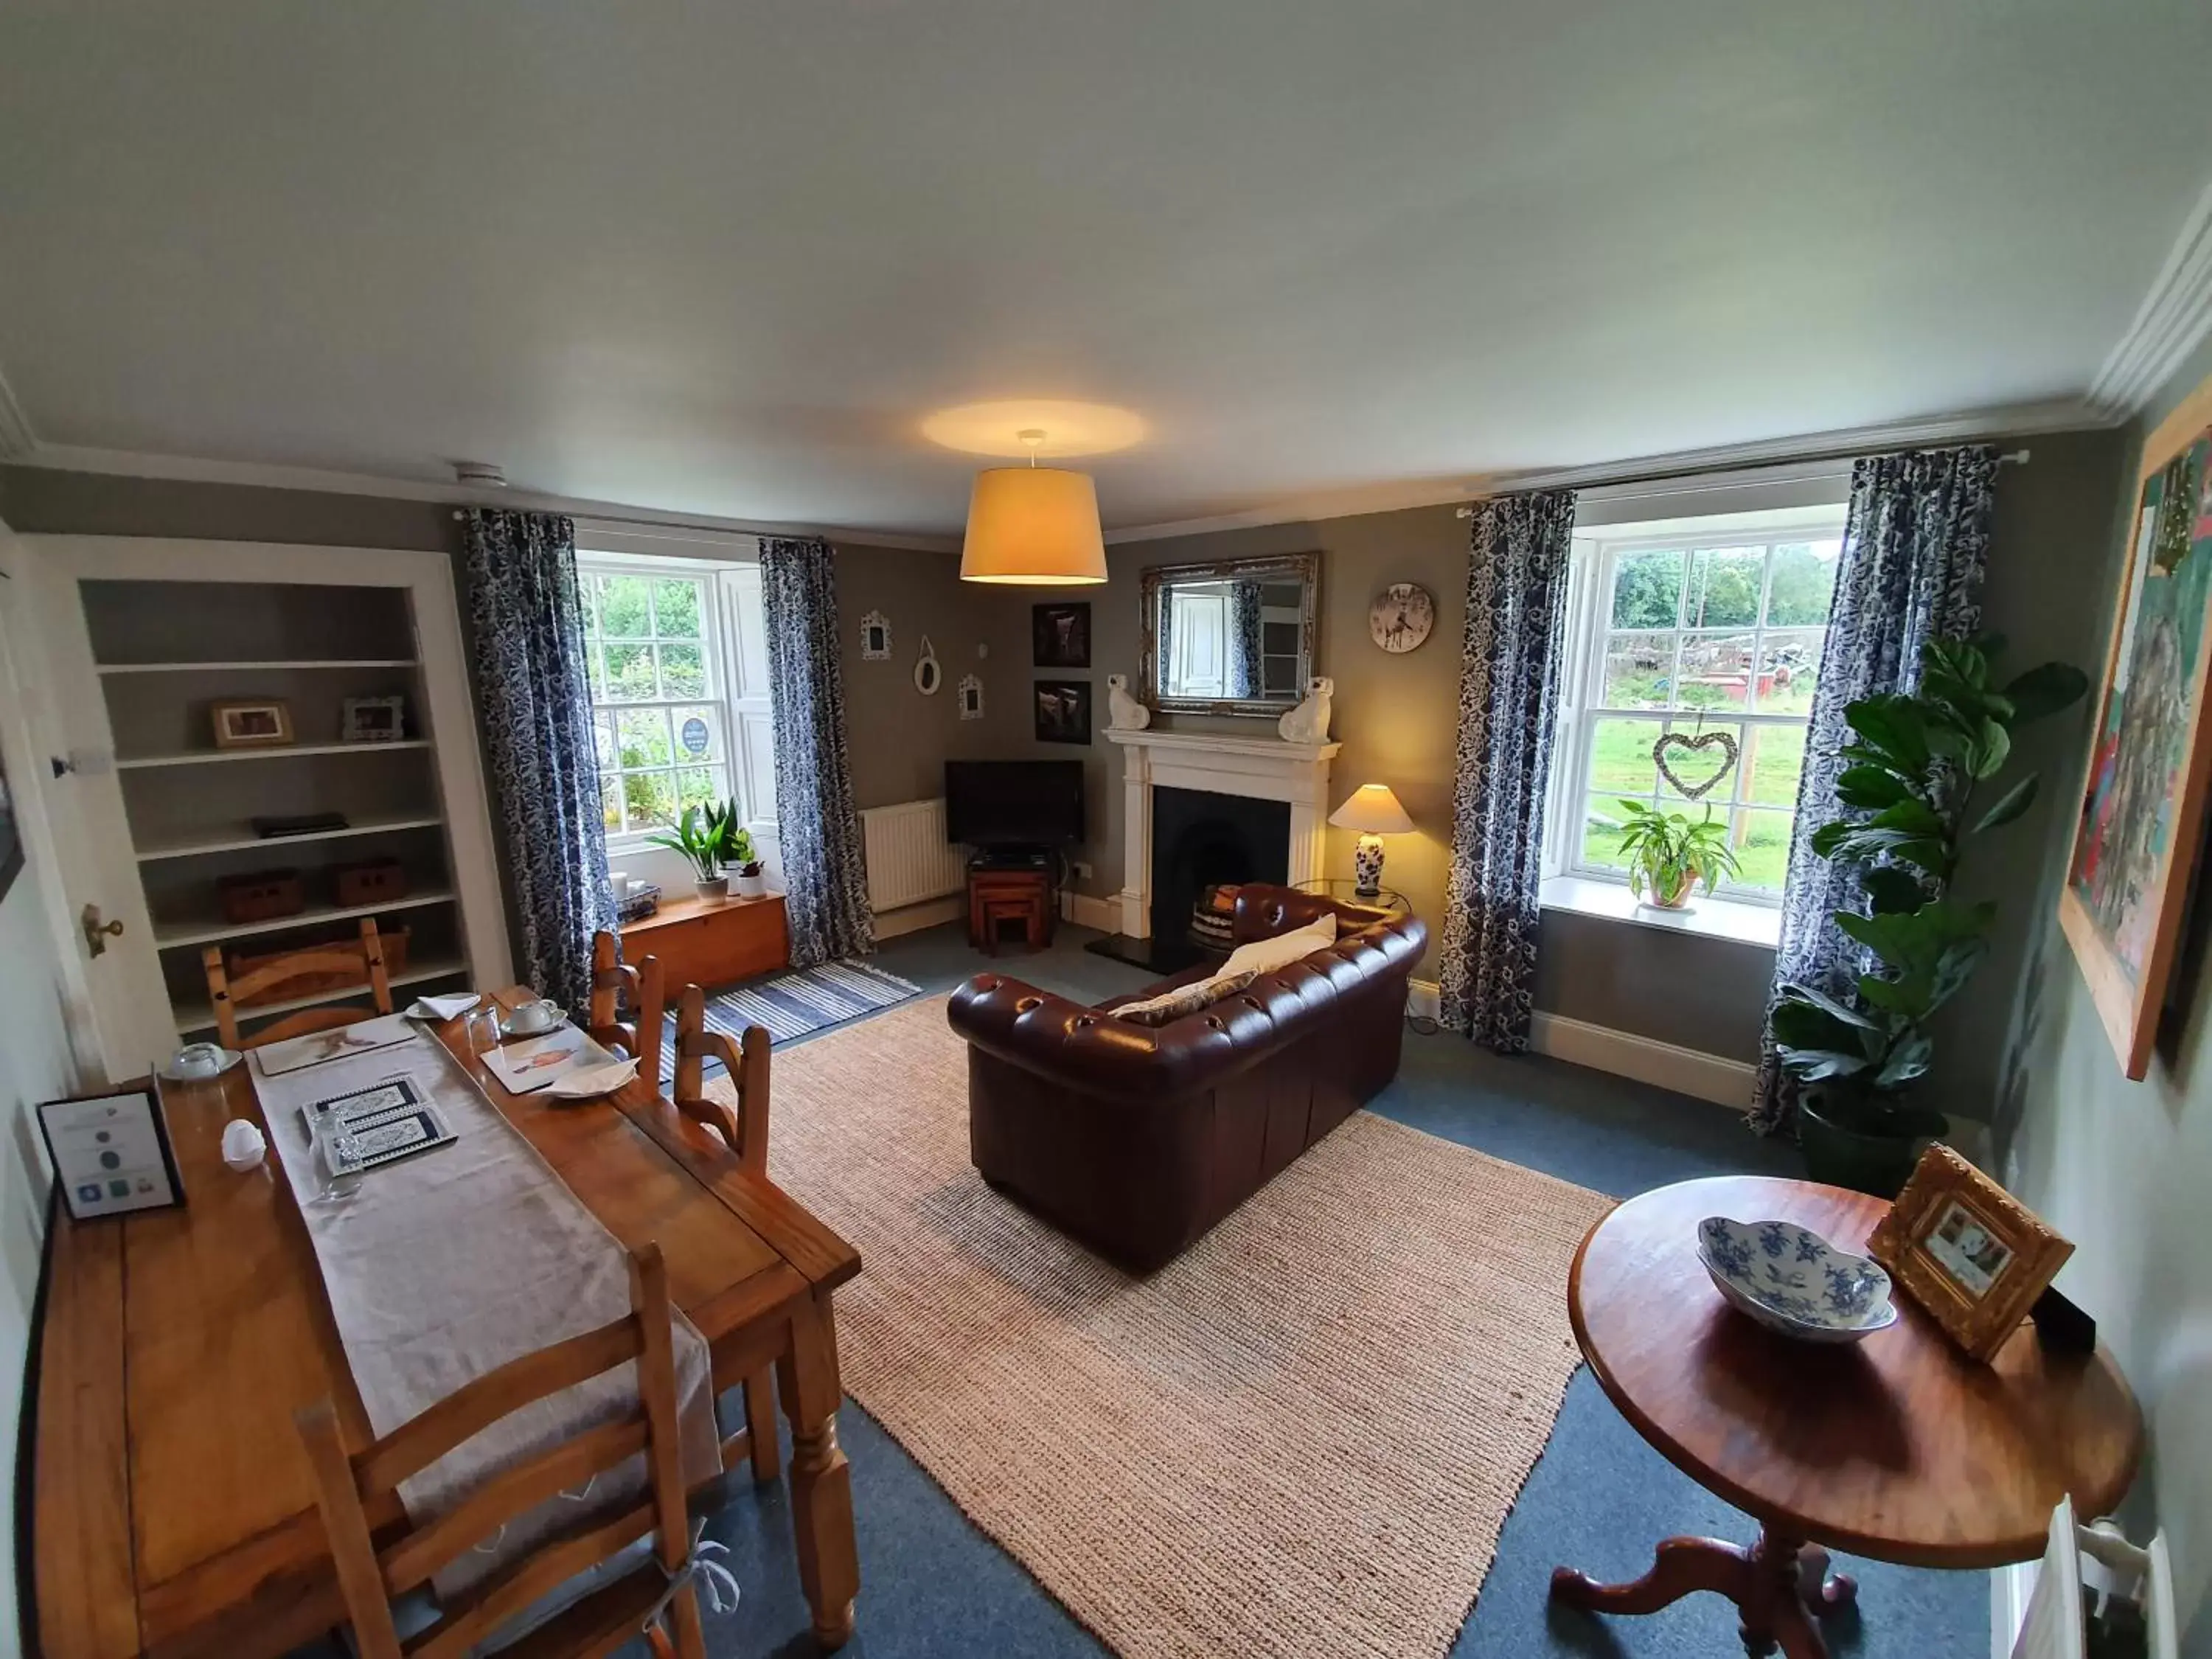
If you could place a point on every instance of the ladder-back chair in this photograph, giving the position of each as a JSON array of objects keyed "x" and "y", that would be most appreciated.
[
  {"x": 363, "y": 962},
  {"x": 614, "y": 983},
  {"x": 642, "y": 1599}
]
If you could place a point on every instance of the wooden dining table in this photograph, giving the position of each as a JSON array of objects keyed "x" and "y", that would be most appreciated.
[{"x": 172, "y": 1510}]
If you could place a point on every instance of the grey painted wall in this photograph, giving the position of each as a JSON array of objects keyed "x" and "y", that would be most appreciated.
[{"x": 2123, "y": 1168}]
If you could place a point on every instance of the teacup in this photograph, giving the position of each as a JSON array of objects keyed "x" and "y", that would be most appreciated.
[{"x": 531, "y": 1018}]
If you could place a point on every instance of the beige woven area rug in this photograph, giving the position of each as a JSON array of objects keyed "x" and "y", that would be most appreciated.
[{"x": 1299, "y": 1438}]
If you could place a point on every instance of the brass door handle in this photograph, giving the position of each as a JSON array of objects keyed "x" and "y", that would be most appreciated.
[{"x": 97, "y": 933}]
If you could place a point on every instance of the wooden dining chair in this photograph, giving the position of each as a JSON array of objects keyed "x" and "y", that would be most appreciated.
[
  {"x": 745, "y": 1129},
  {"x": 347, "y": 1483},
  {"x": 615, "y": 982},
  {"x": 362, "y": 964}
]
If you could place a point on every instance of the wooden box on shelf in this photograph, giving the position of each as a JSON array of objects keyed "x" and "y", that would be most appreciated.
[
  {"x": 711, "y": 942},
  {"x": 369, "y": 881},
  {"x": 261, "y": 896},
  {"x": 239, "y": 963}
]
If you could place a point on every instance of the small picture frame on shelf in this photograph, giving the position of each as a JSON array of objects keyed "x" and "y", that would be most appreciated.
[
  {"x": 1063, "y": 711},
  {"x": 372, "y": 719},
  {"x": 264, "y": 723},
  {"x": 1967, "y": 1251},
  {"x": 1059, "y": 634}
]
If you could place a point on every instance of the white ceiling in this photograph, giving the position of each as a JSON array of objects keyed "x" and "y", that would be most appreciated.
[{"x": 722, "y": 259}]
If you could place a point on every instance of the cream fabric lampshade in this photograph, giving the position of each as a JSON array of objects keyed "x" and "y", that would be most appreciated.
[
  {"x": 1037, "y": 525},
  {"x": 1373, "y": 809}
]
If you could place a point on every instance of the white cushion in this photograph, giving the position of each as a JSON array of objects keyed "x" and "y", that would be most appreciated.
[{"x": 1264, "y": 955}]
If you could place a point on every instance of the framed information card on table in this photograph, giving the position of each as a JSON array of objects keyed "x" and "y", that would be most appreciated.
[{"x": 111, "y": 1154}]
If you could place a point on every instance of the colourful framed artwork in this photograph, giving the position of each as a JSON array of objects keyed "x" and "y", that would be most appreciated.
[{"x": 2150, "y": 759}]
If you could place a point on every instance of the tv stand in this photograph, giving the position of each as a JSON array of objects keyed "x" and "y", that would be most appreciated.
[{"x": 1007, "y": 886}]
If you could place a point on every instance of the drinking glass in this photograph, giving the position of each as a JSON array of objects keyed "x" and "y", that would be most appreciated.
[{"x": 481, "y": 1030}]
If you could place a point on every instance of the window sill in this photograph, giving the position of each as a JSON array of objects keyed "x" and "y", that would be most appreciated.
[{"x": 1757, "y": 925}]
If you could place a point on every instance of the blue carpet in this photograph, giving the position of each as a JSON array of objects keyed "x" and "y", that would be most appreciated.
[{"x": 931, "y": 1586}]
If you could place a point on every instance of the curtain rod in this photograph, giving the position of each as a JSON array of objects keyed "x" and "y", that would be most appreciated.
[{"x": 2010, "y": 457}]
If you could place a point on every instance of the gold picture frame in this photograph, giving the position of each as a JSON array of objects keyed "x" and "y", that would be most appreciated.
[
  {"x": 260, "y": 723},
  {"x": 1967, "y": 1251},
  {"x": 2149, "y": 772}
]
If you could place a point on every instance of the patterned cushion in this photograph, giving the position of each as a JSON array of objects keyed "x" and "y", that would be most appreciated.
[{"x": 1171, "y": 1006}]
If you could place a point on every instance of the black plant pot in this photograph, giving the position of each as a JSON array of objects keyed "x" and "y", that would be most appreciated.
[{"x": 1848, "y": 1145}]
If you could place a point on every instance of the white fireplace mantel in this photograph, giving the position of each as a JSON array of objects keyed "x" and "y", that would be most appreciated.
[{"x": 1262, "y": 768}]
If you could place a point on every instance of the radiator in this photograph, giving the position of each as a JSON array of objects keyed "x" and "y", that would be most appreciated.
[
  {"x": 2053, "y": 1627},
  {"x": 908, "y": 858}
]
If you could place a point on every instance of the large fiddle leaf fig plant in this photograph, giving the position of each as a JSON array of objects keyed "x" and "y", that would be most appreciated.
[{"x": 1914, "y": 781}]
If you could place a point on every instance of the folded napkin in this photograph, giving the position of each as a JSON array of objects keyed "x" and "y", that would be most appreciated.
[
  {"x": 592, "y": 1082},
  {"x": 446, "y": 1007}
]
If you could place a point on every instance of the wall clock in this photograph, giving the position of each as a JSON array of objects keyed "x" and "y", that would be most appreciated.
[{"x": 1401, "y": 617}]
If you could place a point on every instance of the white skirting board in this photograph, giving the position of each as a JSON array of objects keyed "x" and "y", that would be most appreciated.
[
  {"x": 1085, "y": 911},
  {"x": 913, "y": 918},
  {"x": 1668, "y": 1065}
]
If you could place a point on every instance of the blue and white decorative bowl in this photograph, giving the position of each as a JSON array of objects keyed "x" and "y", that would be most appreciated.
[{"x": 1794, "y": 1281}]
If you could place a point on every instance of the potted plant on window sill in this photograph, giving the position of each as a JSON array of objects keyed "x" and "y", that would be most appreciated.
[
  {"x": 702, "y": 836},
  {"x": 1910, "y": 780},
  {"x": 742, "y": 858},
  {"x": 1670, "y": 855}
]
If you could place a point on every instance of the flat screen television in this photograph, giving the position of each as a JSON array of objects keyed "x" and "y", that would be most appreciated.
[{"x": 1014, "y": 803}]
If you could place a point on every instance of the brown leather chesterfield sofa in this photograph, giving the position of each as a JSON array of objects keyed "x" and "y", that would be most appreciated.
[{"x": 1135, "y": 1139}]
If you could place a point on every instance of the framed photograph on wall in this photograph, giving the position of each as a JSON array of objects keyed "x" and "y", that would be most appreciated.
[
  {"x": 2150, "y": 756},
  {"x": 1967, "y": 1250},
  {"x": 1059, "y": 635},
  {"x": 1063, "y": 711}
]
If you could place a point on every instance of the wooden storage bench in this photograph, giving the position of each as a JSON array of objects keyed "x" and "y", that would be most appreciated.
[{"x": 711, "y": 942}]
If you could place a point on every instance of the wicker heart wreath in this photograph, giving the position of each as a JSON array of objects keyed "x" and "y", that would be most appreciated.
[{"x": 1720, "y": 740}]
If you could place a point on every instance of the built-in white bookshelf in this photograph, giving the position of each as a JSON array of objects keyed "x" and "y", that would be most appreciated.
[{"x": 166, "y": 653}]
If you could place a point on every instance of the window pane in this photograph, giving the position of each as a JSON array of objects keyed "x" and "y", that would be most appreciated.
[
  {"x": 1716, "y": 672},
  {"x": 1773, "y": 755},
  {"x": 1620, "y": 758},
  {"x": 624, "y": 611},
  {"x": 1789, "y": 668},
  {"x": 603, "y": 741},
  {"x": 652, "y": 797},
  {"x": 595, "y": 678},
  {"x": 698, "y": 734},
  {"x": 1724, "y": 587},
  {"x": 1804, "y": 583},
  {"x": 1696, "y": 765},
  {"x": 1601, "y": 825},
  {"x": 1762, "y": 849},
  {"x": 611, "y": 797},
  {"x": 676, "y": 608},
  {"x": 683, "y": 671},
  {"x": 629, "y": 674},
  {"x": 1647, "y": 590},
  {"x": 644, "y": 737},
  {"x": 699, "y": 786},
  {"x": 1639, "y": 670},
  {"x": 587, "y": 593}
]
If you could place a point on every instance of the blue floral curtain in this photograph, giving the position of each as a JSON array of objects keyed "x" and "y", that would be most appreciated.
[
  {"x": 1914, "y": 548},
  {"x": 526, "y": 621},
  {"x": 1516, "y": 592},
  {"x": 1245, "y": 672},
  {"x": 817, "y": 826}
]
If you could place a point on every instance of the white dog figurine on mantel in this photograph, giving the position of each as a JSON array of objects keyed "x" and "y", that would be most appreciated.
[
  {"x": 1309, "y": 721},
  {"x": 1123, "y": 711}
]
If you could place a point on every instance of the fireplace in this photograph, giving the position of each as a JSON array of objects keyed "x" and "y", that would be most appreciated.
[
  {"x": 1201, "y": 807},
  {"x": 1200, "y": 838}
]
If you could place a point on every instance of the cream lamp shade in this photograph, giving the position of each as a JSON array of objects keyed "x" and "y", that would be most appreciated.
[
  {"x": 1034, "y": 525},
  {"x": 1374, "y": 812},
  {"x": 1374, "y": 809}
]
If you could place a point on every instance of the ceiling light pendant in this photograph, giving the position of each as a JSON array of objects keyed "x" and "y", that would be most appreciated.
[{"x": 1033, "y": 524}]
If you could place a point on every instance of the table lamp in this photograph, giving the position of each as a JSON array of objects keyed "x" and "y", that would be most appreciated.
[{"x": 1374, "y": 812}]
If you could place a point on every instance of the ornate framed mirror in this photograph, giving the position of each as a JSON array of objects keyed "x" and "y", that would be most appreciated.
[{"x": 1235, "y": 637}]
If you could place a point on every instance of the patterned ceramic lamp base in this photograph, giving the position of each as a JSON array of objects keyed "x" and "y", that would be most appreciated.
[{"x": 1367, "y": 866}]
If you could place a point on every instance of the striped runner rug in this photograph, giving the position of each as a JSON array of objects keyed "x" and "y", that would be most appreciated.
[{"x": 792, "y": 1005}]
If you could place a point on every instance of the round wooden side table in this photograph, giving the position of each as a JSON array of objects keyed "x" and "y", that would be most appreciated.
[{"x": 1898, "y": 1447}]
